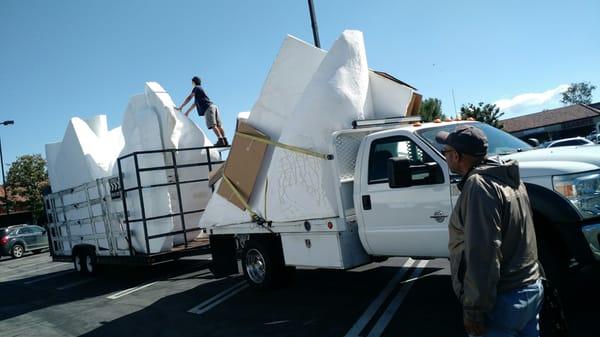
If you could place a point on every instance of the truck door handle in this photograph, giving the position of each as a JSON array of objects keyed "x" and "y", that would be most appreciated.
[
  {"x": 366, "y": 201},
  {"x": 439, "y": 216}
]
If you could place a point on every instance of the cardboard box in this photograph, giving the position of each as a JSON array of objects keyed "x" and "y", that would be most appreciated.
[
  {"x": 415, "y": 104},
  {"x": 243, "y": 164}
]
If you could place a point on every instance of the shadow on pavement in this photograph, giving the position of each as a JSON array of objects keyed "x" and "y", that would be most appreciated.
[
  {"x": 18, "y": 298},
  {"x": 317, "y": 303}
]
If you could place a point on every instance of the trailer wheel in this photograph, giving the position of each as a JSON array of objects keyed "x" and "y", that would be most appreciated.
[
  {"x": 90, "y": 266},
  {"x": 85, "y": 263},
  {"x": 263, "y": 264},
  {"x": 77, "y": 264}
]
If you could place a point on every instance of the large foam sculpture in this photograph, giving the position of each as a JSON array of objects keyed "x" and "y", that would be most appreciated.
[
  {"x": 307, "y": 96},
  {"x": 89, "y": 151}
]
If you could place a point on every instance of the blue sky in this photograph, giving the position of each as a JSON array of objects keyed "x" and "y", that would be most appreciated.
[{"x": 61, "y": 59}]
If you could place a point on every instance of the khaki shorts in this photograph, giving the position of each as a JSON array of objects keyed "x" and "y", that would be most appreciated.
[{"x": 211, "y": 114}]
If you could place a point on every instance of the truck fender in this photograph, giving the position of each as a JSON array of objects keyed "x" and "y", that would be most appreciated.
[{"x": 555, "y": 211}]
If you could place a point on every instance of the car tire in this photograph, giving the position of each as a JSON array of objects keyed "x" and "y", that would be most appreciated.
[
  {"x": 17, "y": 251},
  {"x": 263, "y": 264}
]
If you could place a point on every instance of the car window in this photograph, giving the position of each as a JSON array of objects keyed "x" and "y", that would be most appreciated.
[
  {"x": 37, "y": 229},
  {"x": 399, "y": 146},
  {"x": 25, "y": 230}
]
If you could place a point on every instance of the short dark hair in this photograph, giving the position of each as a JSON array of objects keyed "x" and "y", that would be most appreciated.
[{"x": 196, "y": 80}]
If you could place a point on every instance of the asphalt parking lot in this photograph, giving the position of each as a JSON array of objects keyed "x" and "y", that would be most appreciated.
[{"x": 398, "y": 297}]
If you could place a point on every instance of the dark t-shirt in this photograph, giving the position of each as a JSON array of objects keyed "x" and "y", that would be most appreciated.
[{"x": 201, "y": 100}]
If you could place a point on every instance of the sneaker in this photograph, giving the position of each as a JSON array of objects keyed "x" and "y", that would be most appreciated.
[{"x": 220, "y": 142}]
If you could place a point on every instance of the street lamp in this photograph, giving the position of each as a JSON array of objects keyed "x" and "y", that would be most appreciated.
[{"x": 5, "y": 123}]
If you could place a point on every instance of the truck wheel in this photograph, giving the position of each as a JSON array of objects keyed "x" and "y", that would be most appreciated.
[
  {"x": 85, "y": 263},
  {"x": 17, "y": 251},
  {"x": 553, "y": 260},
  {"x": 263, "y": 264}
]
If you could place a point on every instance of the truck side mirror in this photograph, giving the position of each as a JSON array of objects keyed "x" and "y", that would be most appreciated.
[
  {"x": 399, "y": 174},
  {"x": 533, "y": 142}
]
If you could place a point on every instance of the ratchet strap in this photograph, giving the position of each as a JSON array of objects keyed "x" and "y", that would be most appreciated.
[
  {"x": 255, "y": 217},
  {"x": 285, "y": 146}
]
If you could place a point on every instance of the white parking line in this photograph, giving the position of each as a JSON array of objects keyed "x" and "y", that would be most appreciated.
[
  {"x": 391, "y": 309},
  {"x": 378, "y": 302},
  {"x": 47, "y": 277},
  {"x": 129, "y": 291},
  {"x": 75, "y": 284},
  {"x": 218, "y": 298}
]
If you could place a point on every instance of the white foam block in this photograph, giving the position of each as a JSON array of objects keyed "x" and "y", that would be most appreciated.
[
  {"x": 141, "y": 131},
  {"x": 290, "y": 73},
  {"x": 86, "y": 153},
  {"x": 179, "y": 132},
  {"x": 390, "y": 98},
  {"x": 301, "y": 186}
]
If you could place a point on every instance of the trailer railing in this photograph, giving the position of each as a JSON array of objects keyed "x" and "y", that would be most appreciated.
[{"x": 169, "y": 154}]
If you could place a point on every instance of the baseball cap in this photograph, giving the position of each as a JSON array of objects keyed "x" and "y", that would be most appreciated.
[{"x": 465, "y": 139}]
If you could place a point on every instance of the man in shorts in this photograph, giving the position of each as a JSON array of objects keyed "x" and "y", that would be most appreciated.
[{"x": 206, "y": 108}]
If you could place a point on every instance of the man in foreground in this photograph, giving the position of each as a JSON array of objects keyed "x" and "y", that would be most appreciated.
[{"x": 493, "y": 252}]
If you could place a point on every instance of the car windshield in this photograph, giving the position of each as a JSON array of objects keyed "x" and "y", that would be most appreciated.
[{"x": 499, "y": 142}]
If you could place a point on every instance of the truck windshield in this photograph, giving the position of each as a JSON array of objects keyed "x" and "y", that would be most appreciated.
[{"x": 499, "y": 142}]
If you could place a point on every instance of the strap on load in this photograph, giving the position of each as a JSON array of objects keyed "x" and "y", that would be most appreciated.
[
  {"x": 286, "y": 146},
  {"x": 255, "y": 217}
]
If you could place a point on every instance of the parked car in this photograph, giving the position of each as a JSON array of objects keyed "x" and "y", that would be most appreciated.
[
  {"x": 575, "y": 141},
  {"x": 16, "y": 240}
]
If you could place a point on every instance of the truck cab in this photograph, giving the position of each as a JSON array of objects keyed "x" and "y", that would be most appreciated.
[{"x": 404, "y": 194}]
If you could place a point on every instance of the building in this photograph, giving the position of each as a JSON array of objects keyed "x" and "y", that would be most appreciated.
[{"x": 569, "y": 121}]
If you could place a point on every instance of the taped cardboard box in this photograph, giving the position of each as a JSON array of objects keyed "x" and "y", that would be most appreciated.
[{"x": 243, "y": 164}]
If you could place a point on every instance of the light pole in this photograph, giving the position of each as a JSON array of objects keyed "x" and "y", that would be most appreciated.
[
  {"x": 313, "y": 20},
  {"x": 5, "y": 123}
]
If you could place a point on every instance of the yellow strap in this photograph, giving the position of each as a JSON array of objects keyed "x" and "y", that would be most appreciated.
[
  {"x": 238, "y": 195},
  {"x": 255, "y": 217},
  {"x": 285, "y": 146}
]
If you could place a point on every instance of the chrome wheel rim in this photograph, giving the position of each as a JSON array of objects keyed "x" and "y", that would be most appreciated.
[
  {"x": 255, "y": 266},
  {"x": 18, "y": 251},
  {"x": 88, "y": 263},
  {"x": 77, "y": 263}
]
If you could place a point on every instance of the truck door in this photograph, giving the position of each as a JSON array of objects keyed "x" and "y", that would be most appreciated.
[{"x": 404, "y": 221}]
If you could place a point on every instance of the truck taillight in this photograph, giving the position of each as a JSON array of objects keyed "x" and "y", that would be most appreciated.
[{"x": 3, "y": 240}]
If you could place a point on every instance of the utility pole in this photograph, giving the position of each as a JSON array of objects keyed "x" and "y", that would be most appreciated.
[{"x": 313, "y": 20}]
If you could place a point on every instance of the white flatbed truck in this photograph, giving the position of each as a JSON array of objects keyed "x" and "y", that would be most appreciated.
[{"x": 395, "y": 196}]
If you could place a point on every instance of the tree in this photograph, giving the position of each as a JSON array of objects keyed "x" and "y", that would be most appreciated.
[
  {"x": 27, "y": 176},
  {"x": 430, "y": 109},
  {"x": 487, "y": 113},
  {"x": 578, "y": 93}
]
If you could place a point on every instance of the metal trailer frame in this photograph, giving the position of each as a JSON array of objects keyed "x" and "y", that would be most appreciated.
[{"x": 56, "y": 213}]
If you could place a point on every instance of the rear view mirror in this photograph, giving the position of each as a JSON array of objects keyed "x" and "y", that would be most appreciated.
[{"x": 399, "y": 174}]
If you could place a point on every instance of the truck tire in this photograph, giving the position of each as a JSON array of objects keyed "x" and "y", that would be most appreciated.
[
  {"x": 264, "y": 268},
  {"x": 17, "y": 251},
  {"x": 555, "y": 262}
]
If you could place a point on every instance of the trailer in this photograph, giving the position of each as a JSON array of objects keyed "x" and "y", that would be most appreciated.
[{"x": 92, "y": 224}]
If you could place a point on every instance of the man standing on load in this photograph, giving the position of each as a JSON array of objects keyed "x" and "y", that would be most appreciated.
[
  {"x": 206, "y": 108},
  {"x": 493, "y": 252}
]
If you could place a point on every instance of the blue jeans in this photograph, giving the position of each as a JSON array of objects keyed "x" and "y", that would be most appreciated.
[{"x": 516, "y": 313}]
